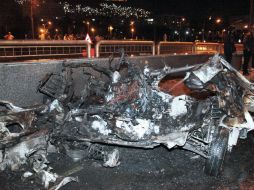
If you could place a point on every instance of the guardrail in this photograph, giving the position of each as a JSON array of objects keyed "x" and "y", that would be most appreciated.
[
  {"x": 63, "y": 48},
  {"x": 212, "y": 48},
  {"x": 193, "y": 48},
  {"x": 175, "y": 48},
  {"x": 105, "y": 48},
  {"x": 47, "y": 48}
]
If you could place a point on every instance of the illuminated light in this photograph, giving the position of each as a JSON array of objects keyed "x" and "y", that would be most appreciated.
[
  {"x": 42, "y": 20},
  {"x": 186, "y": 53},
  {"x": 183, "y": 19},
  {"x": 218, "y": 20},
  {"x": 224, "y": 30},
  {"x": 209, "y": 31},
  {"x": 110, "y": 28},
  {"x": 93, "y": 30},
  {"x": 93, "y": 19},
  {"x": 42, "y": 30},
  {"x": 49, "y": 23},
  {"x": 210, "y": 18},
  {"x": 187, "y": 32},
  {"x": 239, "y": 41},
  {"x": 201, "y": 48},
  {"x": 106, "y": 10},
  {"x": 246, "y": 26},
  {"x": 132, "y": 23},
  {"x": 56, "y": 30},
  {"x": 132, "y": 30}
]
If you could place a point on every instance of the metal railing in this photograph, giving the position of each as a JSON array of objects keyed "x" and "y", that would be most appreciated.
[
  {"x": 212, "y": 48},
  {"x": 175, "y": 48},
  {"x": 105, "y": 48},
  {"x": 193, "y": 48},
  {"x": 47, "y": 48},
  {"x": 59, "y": 48}
]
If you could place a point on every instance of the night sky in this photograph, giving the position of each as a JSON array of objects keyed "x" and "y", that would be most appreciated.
[
  {"x": 191, "y": 8},
  {"x": 195, "y": 11}
]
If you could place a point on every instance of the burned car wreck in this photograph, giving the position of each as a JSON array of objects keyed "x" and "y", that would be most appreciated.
[{"x": 128, "y": 109}]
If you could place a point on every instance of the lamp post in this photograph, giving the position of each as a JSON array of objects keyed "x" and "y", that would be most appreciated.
[
  {"x": 251, "y": 16},
  {"x": 93, "y": 30},
  {"x": 32, "y": 17},
  {"x": 132, "y": 28},
  {"x": 110, "y": 29},
  {"x": 88, "y": 26},
  {"x": 132, "y": 32}
]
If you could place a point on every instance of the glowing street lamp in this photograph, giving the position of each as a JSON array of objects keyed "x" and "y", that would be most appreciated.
[
  {"x": 218, "y": 20},
  {"x": 49, "y": 23},
  {"x": 132, "y": 32},
  {"x": 110, "y": 28},
  {"x": 88, "y": 25},
  {"x": 93, "y": 31}
]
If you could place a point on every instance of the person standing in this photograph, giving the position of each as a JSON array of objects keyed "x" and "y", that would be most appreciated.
[
  {"x": 165, "y": 37},
  {"x": 229, "y": 48},
  {"x": 247, "y": 52},
  {"x": 9, "y": 36}
]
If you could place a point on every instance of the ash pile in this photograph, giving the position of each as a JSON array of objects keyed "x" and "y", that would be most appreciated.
[{"x": 124, "y": 106}]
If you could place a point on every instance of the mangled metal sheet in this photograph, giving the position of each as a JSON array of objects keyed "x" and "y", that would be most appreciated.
[{"x": 127, "y": 110}]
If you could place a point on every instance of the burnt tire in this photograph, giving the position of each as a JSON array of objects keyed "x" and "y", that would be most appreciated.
[{"x": 217, "y": 152}]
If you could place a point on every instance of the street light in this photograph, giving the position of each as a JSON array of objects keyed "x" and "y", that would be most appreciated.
[
  {"x": 132, "y": 32},
  {"x": 42, "y": 30},
  {"x": 93, "y": 30},
  {"x": 32, "y": 3},
  {"x": 88, "y": 25},
  {"x": 218, "y": 20},
  {"x": 110, "y": 29}
]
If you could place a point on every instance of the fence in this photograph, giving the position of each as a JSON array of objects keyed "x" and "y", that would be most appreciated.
[
  {"x": 175, "y": 48},
  {"x": 59, "y": 48},
  {"x": 193, "y": 48},
  {"x": 105, "y": 48},
  {"x": 47, "y": 48}
]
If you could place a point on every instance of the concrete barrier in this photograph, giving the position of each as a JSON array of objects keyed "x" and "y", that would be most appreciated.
[{"x": 19, "y": 81}]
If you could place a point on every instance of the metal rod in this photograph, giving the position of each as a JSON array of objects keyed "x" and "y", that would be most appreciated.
[{"x": 32, "y": 17}]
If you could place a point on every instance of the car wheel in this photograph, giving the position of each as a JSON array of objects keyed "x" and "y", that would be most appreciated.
[{"x": 217, "y": 153}]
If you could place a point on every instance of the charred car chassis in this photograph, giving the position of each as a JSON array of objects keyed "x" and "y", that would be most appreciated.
[{"x": 128, "y": 109}]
